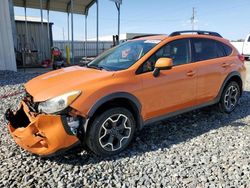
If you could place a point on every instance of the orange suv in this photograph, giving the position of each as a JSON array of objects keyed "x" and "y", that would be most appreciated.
[{"x": 136, "y": 83}]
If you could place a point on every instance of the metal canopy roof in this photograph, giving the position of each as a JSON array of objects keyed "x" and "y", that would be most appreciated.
[{"x": 79, "y": 6}]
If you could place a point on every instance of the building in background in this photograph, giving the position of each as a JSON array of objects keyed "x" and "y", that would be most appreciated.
[
  {"x": 7, "y": 53},
  {"x": 34, "y": 45}
]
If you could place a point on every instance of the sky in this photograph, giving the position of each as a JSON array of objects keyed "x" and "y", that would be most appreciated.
[{"x": 231, "y": 18}]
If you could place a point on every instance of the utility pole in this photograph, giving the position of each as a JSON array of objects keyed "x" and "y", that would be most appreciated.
[
  {"x": 193, "y": 18},
  {"x": 118, "y": 6},
  {"x": 63, "y": 34}
]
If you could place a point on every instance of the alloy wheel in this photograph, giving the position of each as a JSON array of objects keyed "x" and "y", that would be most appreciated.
[
  {"x": 115, "y": 132},
  {"x": 231, "y": 98}
]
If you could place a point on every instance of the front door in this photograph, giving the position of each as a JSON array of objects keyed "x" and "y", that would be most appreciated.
[{"x": 173, "y": 89}]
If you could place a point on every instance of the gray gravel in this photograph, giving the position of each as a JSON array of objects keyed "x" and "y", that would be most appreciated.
[{"x": 204, "y": 148}]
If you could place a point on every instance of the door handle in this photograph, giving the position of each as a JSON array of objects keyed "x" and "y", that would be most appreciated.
[
  {"x": 191, "y": 73},
  {"x": 225, "y": 65}
]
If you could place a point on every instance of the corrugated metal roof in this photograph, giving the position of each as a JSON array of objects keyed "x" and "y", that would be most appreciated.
[{"x": 79, "y": 6}]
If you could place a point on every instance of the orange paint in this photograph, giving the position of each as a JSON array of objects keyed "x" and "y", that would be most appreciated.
[{"x": 179, "y": 88}]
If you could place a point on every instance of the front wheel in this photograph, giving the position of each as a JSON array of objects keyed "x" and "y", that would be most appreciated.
[
  {"x": 111, "y": 132},
  {"x": 230, "y": 97}
]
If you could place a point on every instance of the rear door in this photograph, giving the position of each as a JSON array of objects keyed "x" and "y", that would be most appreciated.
[{"x": 212, "y": 66}]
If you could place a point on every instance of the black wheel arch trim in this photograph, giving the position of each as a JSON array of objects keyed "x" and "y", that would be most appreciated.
[
  {"x": 232, "y": 74},
  {"x": 136, "y": 103}
]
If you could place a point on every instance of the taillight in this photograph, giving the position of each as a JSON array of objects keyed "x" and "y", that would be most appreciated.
[{"x": 242, "y": 58}]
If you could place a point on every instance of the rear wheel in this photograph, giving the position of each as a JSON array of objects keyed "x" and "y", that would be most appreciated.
[
  {"x": 230, "y": 97},
  {"x": 111, "y": 132}
]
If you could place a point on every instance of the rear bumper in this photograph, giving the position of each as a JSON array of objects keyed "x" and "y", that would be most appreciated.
[{"x": 40, "y": 134}]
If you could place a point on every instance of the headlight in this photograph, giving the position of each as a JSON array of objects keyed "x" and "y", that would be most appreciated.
[{"x": 58, "y": 103}]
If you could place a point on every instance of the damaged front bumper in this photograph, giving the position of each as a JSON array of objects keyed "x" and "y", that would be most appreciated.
[{"x": 40, "y": 134}]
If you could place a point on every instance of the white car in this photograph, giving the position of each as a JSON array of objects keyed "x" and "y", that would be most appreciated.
[
  {"x": 243, "y": 47},
  {"x": 246, "y": 47}
]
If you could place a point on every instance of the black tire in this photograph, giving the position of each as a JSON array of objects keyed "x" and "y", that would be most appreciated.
[
  {"x": 111, "y": 132},
  {"x": 230, "y": 97}
]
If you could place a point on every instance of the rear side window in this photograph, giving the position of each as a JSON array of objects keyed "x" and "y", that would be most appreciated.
[
  {"x": 223, "y": 48},
  {"x": 248, "y": 39},
  {"x": 228, "y": 49},
  {"x": 220, "y": 49},
  {"x": 205, "y": 49}
]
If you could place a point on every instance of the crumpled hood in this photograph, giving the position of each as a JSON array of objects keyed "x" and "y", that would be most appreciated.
[{"x": 61, "y": 81}]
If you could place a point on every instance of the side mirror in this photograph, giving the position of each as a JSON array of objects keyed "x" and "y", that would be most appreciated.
[{"x": 162, "y": 64}]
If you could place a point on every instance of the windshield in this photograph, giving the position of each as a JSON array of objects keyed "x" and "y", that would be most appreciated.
[{"x": 123, "y": 56}]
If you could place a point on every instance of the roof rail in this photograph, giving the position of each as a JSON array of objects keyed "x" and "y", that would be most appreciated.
[{"x": 196, "y": 31}]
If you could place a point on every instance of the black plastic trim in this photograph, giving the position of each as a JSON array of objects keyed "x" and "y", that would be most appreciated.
[
  {"x": 232, "y": 74},
  {"x": 199, "y": 32},
  {"x": 66, "y": 126},
  {"x": 118, "y": 95},
  {"x": 172, "y": 114}
]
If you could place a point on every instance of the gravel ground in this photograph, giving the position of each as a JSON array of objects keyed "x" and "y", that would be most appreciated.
[{"x": 204, "y": 148}]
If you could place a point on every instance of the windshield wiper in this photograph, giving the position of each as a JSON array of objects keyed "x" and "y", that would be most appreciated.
[{"x": 95, "y": 67}]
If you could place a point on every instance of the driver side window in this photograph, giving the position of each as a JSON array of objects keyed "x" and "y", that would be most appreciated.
[{"x": 177, "y": 50}]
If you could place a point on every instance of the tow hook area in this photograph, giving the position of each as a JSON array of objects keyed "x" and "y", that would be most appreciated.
[{"x": 73, "y": 123}]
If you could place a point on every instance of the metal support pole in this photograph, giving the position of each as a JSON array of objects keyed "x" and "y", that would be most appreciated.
[
  {"x": 118, "y": 6},
  {"x": 72, "y": 31},
  {"x": 26, "y": 37},
  {"x": 68, "y": 27},
  {"x": 42, "y": 31},
  {"x": 68, "y": 42},
  {"x": 26, "y": 25},
  {"x": 13, "y": 25},
  {"x": 63, "y": 35},
  {"x": 86, "y": 37},
  {"x": 97, "y": 28},
  {"x": 48, "y": 30}
]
